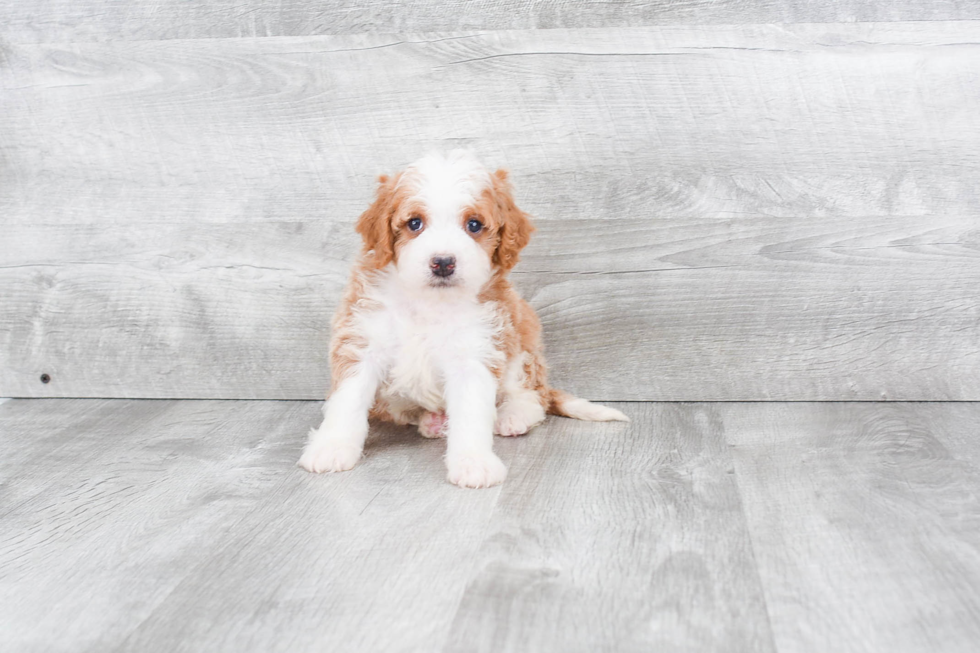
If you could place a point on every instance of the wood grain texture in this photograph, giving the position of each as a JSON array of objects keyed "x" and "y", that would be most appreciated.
[
  {"x": 865, "y": 522},
  {"x": 618, "y": 537},
  {"x": 751, "y": 308},
  {"x": 373, "y": 560},
  {"x": 114, "y": 20},
  {"x": 186, "y": 526},
  {"x": 107, "y": 505},
  {"x": 748, "y": 212},
  {"x": 792, "y": 121}
]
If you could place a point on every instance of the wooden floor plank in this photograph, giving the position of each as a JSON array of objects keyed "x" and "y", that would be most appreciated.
[
  {"x": 113, "y": 518},
  {"x": 185, "y": 526},
  {"x": 370, "y": 560},
  {"x": 618, "y": 538},
  {"x": 47, "y": 442},
  {"x": 865, "y": 521}
]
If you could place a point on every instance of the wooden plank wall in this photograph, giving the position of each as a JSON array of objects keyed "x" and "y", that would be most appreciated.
[
  {"x": 727, "y": 212},
  {"x": 56, "y": 21}
]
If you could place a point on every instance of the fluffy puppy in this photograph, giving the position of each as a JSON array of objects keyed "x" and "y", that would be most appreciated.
[{"x": 431, "y": 332}]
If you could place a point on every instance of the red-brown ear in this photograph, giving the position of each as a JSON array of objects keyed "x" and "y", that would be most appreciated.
[
  {"x": 515, "y": 225},
  {"x": 374, "y": 225}
]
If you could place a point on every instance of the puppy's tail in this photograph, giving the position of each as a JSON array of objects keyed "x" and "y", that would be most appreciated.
[{"x": 562, "y": 403}]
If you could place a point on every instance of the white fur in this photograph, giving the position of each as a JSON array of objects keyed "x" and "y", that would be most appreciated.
[
  {"x": 520, "y": 409},
  {"x": 431, "y": 351},
  {"x": 430, "y": 344},
  {"x": 336, "y": 446},
  {"x": 445, "y": 186},
  {"x": 588, "y": 411}
]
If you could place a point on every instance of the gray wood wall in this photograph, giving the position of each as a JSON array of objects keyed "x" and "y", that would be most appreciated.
[{"x": 728, "y": 209}]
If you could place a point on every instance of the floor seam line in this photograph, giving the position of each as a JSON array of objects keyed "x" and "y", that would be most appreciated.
[{"x": 751, "y": 537}]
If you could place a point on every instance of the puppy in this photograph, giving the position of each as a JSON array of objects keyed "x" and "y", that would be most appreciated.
[{"x": 430, "y": 331}]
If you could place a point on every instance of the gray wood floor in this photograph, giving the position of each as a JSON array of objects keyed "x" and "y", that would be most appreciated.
[{"x": 185, "y": 526}]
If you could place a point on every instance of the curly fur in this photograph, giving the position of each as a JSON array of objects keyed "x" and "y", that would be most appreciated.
[{"x": 458, "y": 354}]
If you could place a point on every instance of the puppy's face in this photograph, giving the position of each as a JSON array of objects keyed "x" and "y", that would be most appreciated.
[{"x": 445, "y": 224}]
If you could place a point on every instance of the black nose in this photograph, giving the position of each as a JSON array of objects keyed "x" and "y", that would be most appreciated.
[{"x": 442, "y": 266}]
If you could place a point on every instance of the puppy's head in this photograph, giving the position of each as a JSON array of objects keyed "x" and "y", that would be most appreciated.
[{"x": 445, "y": 224}]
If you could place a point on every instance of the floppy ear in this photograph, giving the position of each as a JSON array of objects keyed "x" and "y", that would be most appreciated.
[
  {"x": 374, "y": 225},
  {"x": 515, "y": 225}
]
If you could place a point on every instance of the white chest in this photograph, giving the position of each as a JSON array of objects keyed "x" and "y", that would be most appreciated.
[{"x": 416, "y": 341}]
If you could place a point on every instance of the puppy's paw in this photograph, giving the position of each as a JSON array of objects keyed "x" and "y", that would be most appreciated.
[
  {"x": 433, "y": 425},
  {"x": 517, "y": 419},
  {"x": 511, "y": 425},
  {"x": 330, "y": 456},
  {"x": 476, "y": 470}
]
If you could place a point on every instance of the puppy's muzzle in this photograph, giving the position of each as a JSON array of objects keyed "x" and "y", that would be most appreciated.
[{"x": 443, "y": 266}]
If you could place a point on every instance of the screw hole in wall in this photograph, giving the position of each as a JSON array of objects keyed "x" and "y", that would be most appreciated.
[{"x": 45, "y": 378}]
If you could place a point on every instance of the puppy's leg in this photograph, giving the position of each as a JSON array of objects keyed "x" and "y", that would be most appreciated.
[
  {"x": 337, "y": 445},
  {"x": 470, "y": 404},
  {"x": 518, "y": 413}
]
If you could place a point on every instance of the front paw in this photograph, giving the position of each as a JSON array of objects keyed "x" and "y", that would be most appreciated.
[
  {"x": 330, "y": 456},
  {"x": 476, "y": 470}
]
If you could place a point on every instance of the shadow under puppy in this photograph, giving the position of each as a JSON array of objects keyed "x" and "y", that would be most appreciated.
[{"x": 430, "y": 330}]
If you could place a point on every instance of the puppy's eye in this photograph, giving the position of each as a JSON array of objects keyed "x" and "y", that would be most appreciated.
[
  {"x": 474, "y": 226},
  {"x": 415, "y": 223}
]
